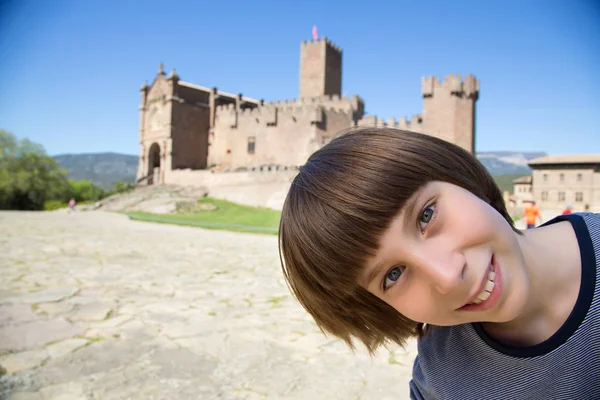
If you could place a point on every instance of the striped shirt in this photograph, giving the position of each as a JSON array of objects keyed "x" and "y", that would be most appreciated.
[{"x": 463, "y": 362}]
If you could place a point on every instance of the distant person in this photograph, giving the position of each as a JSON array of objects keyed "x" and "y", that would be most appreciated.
[
  {"x": 568, "y": 210},
  {"x": 72, "y": 204},
  {"x": 586, "y": 208},
  {"x": 532, "y": 213}
]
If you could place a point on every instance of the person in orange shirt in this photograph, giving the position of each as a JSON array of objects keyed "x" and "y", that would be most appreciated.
[
  {"x": 532, "y": 213},
  {"x": 568, "y": 210}
]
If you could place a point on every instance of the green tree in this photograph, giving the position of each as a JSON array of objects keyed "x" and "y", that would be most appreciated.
[
  {"x": 85, "y": 191},
  {"x": 28, "y": 176},
  {"x": 121, "y": 187}
]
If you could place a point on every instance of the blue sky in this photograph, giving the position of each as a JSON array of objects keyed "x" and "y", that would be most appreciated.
[{"x": 70, "y": 71}]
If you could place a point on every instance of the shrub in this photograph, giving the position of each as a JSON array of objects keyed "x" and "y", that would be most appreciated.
[{"x": 51, "y": 205}]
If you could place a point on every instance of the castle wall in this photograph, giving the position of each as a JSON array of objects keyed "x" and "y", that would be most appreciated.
[
  {"x": 333, "y": 70},
  {"x": 255, "y": 188},
  {"x": 464, "y": 123},
  {"x": 156, "y": 116},
  {"x": 269, "y": 195},
  {"x": 190, "y": 128},
  {"x": 449, "y": 109},
  {"x": 320, "y": 68},
  {"x": 333, "y": 122},
  {"x": 285, "y": 133},
  {"x": 158, "y": 111},
  {"x": 414, "y": 124},
  {"x": 193, "y": 95},
  {"x": 202, "y": 134}
]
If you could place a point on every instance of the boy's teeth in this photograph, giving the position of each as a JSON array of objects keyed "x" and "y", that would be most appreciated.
[
  {"x": 484, "y": 295},
  {"x": 487, "y": 291}
]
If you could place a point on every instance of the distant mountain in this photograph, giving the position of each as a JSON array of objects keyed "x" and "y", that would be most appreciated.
[
  {"x": 507, "y": 162},
  {"x": 103, "y": 169}
]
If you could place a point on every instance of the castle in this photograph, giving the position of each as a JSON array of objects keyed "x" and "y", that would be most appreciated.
[{"x": 187, "y": 130}]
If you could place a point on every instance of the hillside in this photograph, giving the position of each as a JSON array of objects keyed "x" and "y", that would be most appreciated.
[
  {"x": 504, "y": 182},
  {"x": 506, "y": 162},
  {"x": 103, "y": 169}
]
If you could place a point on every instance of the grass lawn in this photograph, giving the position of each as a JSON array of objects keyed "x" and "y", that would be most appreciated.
[{"x": 226, "y": 216}]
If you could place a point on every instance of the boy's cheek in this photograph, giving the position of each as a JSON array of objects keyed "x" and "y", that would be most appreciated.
[{"x": 418, "y": 306}]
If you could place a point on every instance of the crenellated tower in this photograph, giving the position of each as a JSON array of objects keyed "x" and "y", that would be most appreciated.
[
  {"x": 320, "y": 68},
  {"x": 449, "y": 108}
]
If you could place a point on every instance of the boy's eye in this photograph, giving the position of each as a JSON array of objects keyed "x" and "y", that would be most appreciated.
[
  {"x": 392, "y": 276},
  {"x": 426, "y": 216}
]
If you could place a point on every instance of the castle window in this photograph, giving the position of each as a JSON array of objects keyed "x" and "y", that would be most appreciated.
[
  {"x": 579, "y": 177},
  {"x": 578, "y": 197},
  {"x": 561, "y": 196},
  {"x": 562, "y": 177},
  {"x": 251, "y": 144},
  {"x": 544, "y": 196},
  {"x": 545, "y": 177}
]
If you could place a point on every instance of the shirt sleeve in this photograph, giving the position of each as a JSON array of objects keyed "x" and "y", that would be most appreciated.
[
  {"x": 419, "y": 390},
  {"x": 415, "y": 394}
]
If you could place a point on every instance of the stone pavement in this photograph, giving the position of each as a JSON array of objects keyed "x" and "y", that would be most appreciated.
[{"x": 95, "y": 306}]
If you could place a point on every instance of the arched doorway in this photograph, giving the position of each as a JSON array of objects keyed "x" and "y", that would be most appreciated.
[{"x": 154, "y": 164}]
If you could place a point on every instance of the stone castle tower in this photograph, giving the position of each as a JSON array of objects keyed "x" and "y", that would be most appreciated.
[
  {"x": 185, "y": 127},
  {"x": 320, "y": 69}
]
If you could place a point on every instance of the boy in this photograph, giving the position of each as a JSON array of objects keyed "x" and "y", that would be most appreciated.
[{"x": 387, "y": 235}]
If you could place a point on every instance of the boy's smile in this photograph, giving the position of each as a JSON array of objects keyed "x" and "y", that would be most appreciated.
[
  {"x": 449, "y": 258},
  {"x": 489, "y": 292}
]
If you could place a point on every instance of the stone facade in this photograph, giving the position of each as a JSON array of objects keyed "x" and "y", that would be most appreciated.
[
  {"x": 523, "y": 191},
  {"x": 562, "y": 180},
  {"x": 186, "y": 128}
]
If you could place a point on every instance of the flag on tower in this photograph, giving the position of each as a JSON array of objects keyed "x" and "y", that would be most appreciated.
[{"x": 314, "y": 33}]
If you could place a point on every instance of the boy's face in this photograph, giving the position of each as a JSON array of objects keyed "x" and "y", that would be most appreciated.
[{"x": 449, "y": 258}]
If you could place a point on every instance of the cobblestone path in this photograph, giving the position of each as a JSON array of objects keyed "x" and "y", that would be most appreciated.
[{"x": 95, "y": 306}]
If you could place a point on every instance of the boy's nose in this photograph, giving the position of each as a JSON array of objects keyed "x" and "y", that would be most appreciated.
[{"x": 445, "y": 272}]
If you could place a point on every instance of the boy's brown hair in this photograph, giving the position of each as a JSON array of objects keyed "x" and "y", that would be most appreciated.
[{"x": 338, "y": 206}]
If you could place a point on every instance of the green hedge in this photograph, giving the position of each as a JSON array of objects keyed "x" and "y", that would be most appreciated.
[{"x": 51, "y": 205}]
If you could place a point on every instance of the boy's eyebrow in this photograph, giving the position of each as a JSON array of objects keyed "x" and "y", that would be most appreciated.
[
  {"x": 374, "y": 272},
  {"x": 409, "y": 207}
]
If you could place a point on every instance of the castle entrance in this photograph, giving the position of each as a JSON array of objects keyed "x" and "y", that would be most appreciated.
[{"x": 154, "y": 164}]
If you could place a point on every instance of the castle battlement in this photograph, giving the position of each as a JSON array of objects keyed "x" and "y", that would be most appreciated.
[
  {"x": 305, "y": 43},
  {"x": 333, "y": 101},
  {"x": 312, "y": 112},
  {"x": 413, "y": 124},
  {"x": 452, "y": 83}
]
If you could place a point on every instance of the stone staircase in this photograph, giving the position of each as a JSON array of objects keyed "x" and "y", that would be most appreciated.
[{"x": 157, "y": 199}]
